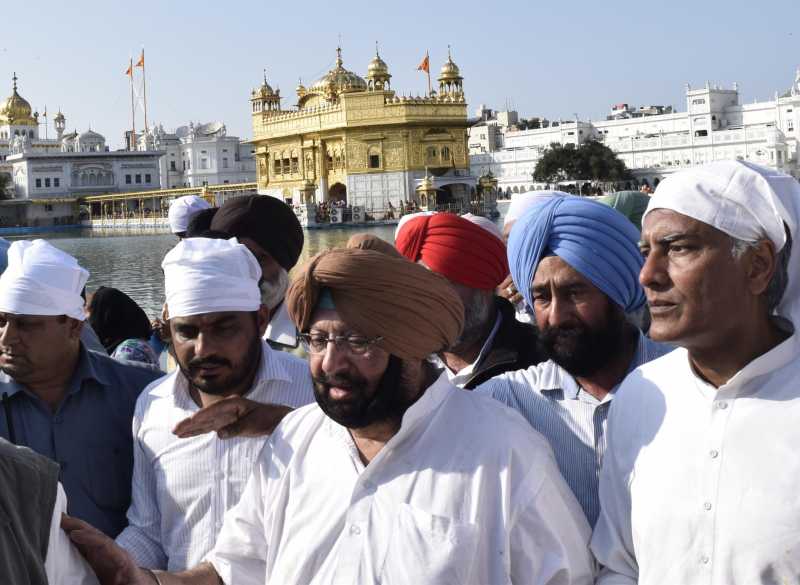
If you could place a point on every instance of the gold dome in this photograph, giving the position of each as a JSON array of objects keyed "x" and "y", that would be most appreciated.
[
  {"x": 377, "y": 67},
  {"x": 16, "y": 110},
  {"x": 265, "y": 90},
  {"x": 338, "y": 80},
  {"x": 449, "y": 71}
]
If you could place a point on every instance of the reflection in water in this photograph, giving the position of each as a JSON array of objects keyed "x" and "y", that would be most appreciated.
[{"x": 131, "y": 261}]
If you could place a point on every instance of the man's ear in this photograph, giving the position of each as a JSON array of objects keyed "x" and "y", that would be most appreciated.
[
  {"x": 761, "y": 265},
  {"x": 263, "y": 316}
]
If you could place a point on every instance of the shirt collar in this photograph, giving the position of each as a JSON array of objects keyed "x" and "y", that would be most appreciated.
[
  {"x": 464, "y": 373},
  {"x": 281, "y": 328}
]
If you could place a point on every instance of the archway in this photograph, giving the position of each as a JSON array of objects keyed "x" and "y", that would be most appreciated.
[
  {"x": 444, "y": 195},
  {"x": 337, "y": 192}
]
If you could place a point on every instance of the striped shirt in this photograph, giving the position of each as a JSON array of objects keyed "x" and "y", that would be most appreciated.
[
  {"x": 183, "y": 487},
  {"x": 573, "y": 420}
]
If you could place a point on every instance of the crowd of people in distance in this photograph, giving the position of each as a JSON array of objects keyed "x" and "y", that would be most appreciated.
[{"x": 603, "y": 391}]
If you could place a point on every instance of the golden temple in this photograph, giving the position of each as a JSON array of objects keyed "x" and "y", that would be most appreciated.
[{"x": 355, "y": 140}]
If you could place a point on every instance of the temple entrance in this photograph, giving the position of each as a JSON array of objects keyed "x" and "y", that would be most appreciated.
[
  {"x": 337, "y": 192},
  {"x": 444, "y": 195}
]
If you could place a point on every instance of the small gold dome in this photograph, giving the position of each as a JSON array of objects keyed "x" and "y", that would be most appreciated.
[
  {"x": 16, "y": 110},
  {"x": 450, "y": 70},
  {"x": 377, "y": 67}
]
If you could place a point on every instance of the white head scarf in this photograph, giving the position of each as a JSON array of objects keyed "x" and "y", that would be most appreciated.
[
  {"x": 182, "y": 210},
  {"x": 42, "y": 280},
  {"x": 486, "y": 224},
  {"x": 409, "y": 217},
  {"x": 747, "y": 202},
  {"x": 204, "y": 275},
  {"x": 522, "y": 202}
]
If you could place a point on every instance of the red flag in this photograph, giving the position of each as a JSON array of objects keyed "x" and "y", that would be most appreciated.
[{"x": 425, "y": 65}]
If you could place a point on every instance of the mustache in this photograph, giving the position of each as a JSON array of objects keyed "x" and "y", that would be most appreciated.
[
  {"x": 196, "y": 364},
  {"x": 340, "y": 381}
]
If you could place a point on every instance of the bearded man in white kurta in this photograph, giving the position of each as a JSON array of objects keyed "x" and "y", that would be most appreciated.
[
  {"x": 393, "y": 476},
  {"x": 699, "y": 482}
]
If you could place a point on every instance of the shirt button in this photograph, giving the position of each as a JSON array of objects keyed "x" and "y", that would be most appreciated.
[
  {"x": 705, "y": 560},
  {"x": 714, "y": 453},
  {"x": 355, "y": 530},
  {"x": 369, "y": 487},
  {"x": 707, "y": 505},
  {"x": 722, "y": 405}
]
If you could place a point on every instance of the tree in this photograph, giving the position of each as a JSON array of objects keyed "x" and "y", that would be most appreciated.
[{"x": 592, "y": 160}]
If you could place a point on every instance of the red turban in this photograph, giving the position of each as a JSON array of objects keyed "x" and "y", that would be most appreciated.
[{"x": 456, "y": 248}]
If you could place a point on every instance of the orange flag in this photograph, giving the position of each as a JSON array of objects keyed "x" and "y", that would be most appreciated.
[
  {"x": 129, "y": 71},
  {"x": 425, "y": 65},
  {"x": 140, "y": 62}
]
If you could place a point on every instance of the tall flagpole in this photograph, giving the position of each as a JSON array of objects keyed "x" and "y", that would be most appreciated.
[
  {"x": 428, "y": 71},
  {"x": 144, "y": 89},
  {"x": 132, "y": 145}
]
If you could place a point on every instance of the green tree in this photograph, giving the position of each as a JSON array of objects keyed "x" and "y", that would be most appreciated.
[{"x": 592, "y": 160}]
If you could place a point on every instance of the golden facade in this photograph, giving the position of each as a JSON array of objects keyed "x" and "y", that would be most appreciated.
[{"x": 354, "y": 139}]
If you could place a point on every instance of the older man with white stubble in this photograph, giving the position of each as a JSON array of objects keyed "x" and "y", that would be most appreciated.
[{"x": 699, "y": 480}]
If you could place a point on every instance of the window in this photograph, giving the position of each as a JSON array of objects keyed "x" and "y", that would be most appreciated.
[
  {"x": 225, "y": 182},
  {"x": 790, "y": 126},
  {"x": 374, "y": 161},
  {"x": 48, "y": 207},
  {"x": 224, "y": 150},
  {"x": 698, "y": 102},
  {"x": 204, "y": 163},
  {"x": 224, "y": 162},
  {"x": 184, "y": 165},
  {"x": 38, "y": 183},
  {"x": 445, "y": 154},
  {"x": 276, "y": 166},
  {"x": 47, "y": 182},
  {"x": 295, "y": 162},
  {"x": 148, "y": 179},
  {"x": 172, "y": 165},
  {"x": 138, "y": 179},
  {"x": 56, "y": 182},
  {"x": 127, "y": 179},
  {"x": 189, "y": 164},
  {"x": 431, "y": 152}
]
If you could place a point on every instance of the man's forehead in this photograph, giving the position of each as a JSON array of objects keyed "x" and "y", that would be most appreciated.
[
  {"x": 661, "y": 223},
  {"x": 208, "y": 318},
  {"x": 328, "y": 320},
  {"x": 555, "y": 270}
]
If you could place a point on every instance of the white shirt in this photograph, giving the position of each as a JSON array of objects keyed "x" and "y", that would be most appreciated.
[
  {"x": 183, "y": 487},
  {"x": 63, "y": 564},
  {"x": 464, "y": 374},
  {"x": 281, "y": 329},
  {"x": 700, "y": 485},
  {"x": 466, "y": 492}
]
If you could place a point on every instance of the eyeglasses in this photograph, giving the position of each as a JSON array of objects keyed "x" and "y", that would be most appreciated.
[{"x": 317, "y": 343}]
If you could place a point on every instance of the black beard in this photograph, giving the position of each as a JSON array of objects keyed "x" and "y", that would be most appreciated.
[
  {"x": 582, "y": 351},
  {"x": 239, "y": 375},
  {"x": 389, "y": 402}
]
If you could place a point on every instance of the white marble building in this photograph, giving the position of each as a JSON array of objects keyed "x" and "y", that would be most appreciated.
[
  {"x": 200, "y": 154},
  {"x": 653, "y": 141}
]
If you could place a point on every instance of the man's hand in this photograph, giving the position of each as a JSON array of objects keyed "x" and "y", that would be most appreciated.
[
  {"x": 509, "y": 291},
  {"x": 110, "y": 562},
  {"x": 233, "y": 417}
]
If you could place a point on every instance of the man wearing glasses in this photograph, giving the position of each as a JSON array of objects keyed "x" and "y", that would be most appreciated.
[{"x": 395, "y": 475}]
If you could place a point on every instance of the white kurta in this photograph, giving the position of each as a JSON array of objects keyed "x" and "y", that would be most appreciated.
[
  {"x": 466, "y": 492},
  {"x": 183, "y": 487},
  {"x": 700, "y": 485},
  {"x": 63, "y": 564}
]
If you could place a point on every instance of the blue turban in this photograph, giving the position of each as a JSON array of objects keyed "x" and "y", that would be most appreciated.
[{"x": 596, "y": 240}]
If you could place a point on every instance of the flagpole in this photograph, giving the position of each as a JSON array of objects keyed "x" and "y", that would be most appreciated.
[
  {"x": 428, "y": 71},
  {"x": 132, "y": 145},
  {"x": 144, "y": 89}
]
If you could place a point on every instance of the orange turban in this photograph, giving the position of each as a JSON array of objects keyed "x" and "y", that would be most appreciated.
[
  {"x": 415, "y": 311},
  {"x": 456, "y": 248}
]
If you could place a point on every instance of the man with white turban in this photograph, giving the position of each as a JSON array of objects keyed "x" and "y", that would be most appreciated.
[
  {"x": 576, "y": 262},
  {"x": 69, "y": 404},
  {"x": 394, "y": 475},
  {"x": 699, "y": 482},
  {"x": 181, "y": 212},
  {"x": 183, "y": 485}
]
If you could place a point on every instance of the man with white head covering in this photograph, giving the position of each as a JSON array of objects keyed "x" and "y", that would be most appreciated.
[
  {"x": 181, "y": 211},
  {"x": 184, "y": 486},
  {"x": 577, "y": 263},
  {"x": 699, "y": 480},
  {"x": 69, "y": 404}
]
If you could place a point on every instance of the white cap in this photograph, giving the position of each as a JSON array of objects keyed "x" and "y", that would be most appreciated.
[
  {"x": 746, "y": 201},
  {"x": 522, "y": 202},
  {"x": 486, "y": 224},
  {"x": 42, "y": 280},
  {"x": 182, "y": 210},
  {"x": 409, "y": 217},
  {"x": 205, "y": 275}
]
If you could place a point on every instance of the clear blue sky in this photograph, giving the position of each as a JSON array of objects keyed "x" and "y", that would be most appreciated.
[{"x": 552, "y": 59}]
